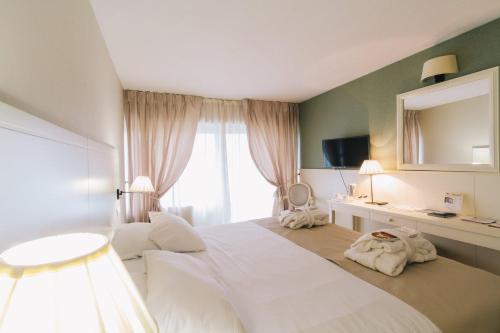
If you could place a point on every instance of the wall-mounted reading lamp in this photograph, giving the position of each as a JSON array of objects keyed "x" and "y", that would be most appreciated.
[
  {"x": 437, "y": 67},
  {"x": 141, "y": 184}
]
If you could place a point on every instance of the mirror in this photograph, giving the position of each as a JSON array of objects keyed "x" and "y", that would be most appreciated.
[{"x": 450, "y": 126}]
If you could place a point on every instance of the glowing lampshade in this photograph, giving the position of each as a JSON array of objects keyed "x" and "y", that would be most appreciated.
[
  {"x": 370, "y": 167},
  {"x": 69, "y": 283},
  {"x": 142, "y": 184}
]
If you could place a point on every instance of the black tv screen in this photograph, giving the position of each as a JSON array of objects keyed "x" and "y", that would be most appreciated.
[{"x": 346, "y": 152}]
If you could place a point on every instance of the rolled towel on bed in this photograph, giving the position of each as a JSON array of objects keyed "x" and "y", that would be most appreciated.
[
  {"x": 387, "y": 257},
  {"x": 418, "y": 249},
  {"x": 308, "y": 218},
  {"x": 391, "y": 257}
]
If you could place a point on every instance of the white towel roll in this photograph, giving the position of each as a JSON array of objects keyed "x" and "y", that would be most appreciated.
[
  {"x": 303, "y": 218},
  {"x": 391, "y": 257}
]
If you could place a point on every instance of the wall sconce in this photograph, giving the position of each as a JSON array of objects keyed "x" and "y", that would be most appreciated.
[
  {"x": 141, "y": 184},
  {"x": 439, "y": 66}
]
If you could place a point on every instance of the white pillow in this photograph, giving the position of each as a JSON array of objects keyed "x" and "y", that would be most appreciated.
[
  {"x": 173, "y": 233},
  {"x": 186, "y": 212},
  {"x": 155, "y": 215},
  {"x": 131, "y": 239},
  {"x": 184, "y": 296}
]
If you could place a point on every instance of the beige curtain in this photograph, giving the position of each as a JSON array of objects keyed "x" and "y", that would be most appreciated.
[
  {"x": 273, "y": 139},
  {"x": 161, "y": 129},
  {"x": 411, "y": 137},
  {"x": 221, "y": 111}
]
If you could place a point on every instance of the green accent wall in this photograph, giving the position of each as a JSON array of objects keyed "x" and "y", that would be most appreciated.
[{"x": 367, "y": 105}]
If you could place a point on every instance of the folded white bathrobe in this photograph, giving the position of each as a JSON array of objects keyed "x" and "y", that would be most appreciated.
[
  {"x": 391, "y": 257},
  {"x": 308, "y": 218}
]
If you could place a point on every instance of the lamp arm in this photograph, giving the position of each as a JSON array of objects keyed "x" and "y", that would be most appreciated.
[{"x": 119, "y": 193}]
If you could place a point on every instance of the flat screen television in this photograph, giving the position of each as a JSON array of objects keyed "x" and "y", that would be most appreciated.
[{"x": 346, "y": 152}]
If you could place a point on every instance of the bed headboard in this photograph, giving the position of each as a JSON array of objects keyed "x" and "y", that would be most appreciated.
[{"x": 52, "y": 180}]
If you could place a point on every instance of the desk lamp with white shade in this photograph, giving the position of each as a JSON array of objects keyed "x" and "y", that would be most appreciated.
[{"x": 371, "y": 167}]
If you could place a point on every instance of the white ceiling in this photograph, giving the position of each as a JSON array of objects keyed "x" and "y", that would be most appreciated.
[{"x": 287, "y": 50}]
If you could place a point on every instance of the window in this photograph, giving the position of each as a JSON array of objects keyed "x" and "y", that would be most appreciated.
[{"x": 221, "y": 181}]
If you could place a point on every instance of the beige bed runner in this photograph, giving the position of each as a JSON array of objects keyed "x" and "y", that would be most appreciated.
[{"x": 456, "y": 297}]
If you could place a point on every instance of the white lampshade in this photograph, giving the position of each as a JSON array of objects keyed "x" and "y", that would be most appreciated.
[
  {"x": 69, "y": 283},
  {"x": 440, "y": 65},
  {"x": 142, "y": 184},
  {"x": 370, "y": 167}
]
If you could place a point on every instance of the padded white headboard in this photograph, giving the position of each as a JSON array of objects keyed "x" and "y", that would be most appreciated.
[{"x": 52, "y": 180}]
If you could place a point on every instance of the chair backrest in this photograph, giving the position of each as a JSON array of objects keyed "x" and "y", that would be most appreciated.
[{"x": 299, "y": 196}]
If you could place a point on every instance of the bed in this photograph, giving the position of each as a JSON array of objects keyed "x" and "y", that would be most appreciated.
[{"x": 283, "y": 280}]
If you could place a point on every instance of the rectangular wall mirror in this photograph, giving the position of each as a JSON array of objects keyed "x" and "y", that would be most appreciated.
[{"x": 450, "y": 126}]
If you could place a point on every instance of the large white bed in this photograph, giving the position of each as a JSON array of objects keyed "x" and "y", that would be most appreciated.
[{"x": 273, "y": 285}]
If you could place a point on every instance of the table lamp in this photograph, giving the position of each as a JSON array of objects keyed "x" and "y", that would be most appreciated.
[
  {"x": 371, "y": 167},
  {"x": 69, "y": 283}
]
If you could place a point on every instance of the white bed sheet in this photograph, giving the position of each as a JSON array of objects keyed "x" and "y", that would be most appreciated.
[
  {"x": 277, "y": 286},
  {"x": 137, "y": 270}
]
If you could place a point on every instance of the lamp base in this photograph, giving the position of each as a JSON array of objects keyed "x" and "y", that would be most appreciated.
[{"x": 380, "y": 203}]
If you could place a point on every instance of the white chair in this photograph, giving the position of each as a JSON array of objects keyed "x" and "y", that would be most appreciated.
[{"x": 299, "y": 196}]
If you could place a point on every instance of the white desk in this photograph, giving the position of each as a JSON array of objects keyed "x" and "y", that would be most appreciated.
[{"x": 451, "y": 228}]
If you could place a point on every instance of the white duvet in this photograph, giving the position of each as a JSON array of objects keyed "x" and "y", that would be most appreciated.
[{"x": 275, "y": 286}]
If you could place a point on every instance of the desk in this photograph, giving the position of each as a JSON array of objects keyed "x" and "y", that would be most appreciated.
[{"x": 450, "y": 228}]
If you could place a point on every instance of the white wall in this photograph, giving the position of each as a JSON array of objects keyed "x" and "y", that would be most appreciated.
[
  {"x": 450, "y": 131},
  {"x": 53, "y": 180},
  {"x": 55, "y": 65},
  {"x": 419, "y": 189}
]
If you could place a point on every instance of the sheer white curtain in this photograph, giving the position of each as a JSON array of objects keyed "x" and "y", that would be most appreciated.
[
  {"x": 160, "y": 130},
  {"x": 273, "y": 136},
  {"x": 413, "y": 147},
  {"x": 221, "y": 181}
]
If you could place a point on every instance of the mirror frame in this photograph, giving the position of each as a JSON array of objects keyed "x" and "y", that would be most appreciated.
[{"x": 492, "y": 76}]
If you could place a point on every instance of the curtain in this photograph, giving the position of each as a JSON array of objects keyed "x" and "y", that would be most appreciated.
[
  {"x": 273, "y": 140},
  {"x": 160, "y": 131},
  {"x": 412, "y": 141},
  {"x": 221, "y": 181}
]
